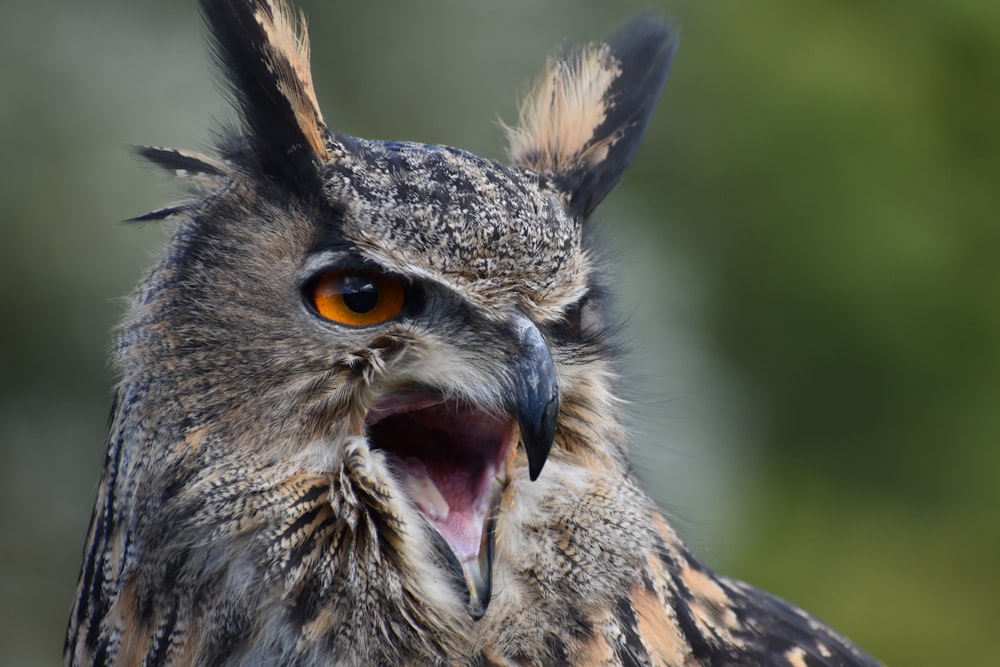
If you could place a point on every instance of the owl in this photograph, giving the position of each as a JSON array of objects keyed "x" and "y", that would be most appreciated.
[{"x": 368, "y": 407}]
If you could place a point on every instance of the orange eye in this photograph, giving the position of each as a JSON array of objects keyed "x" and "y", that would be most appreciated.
[{"x": 358, "y": 298}]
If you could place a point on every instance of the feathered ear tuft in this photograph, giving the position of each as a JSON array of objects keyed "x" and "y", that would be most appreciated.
[
  {"x": 585, "y": 117},
  {"x": 263, "y": 52}
]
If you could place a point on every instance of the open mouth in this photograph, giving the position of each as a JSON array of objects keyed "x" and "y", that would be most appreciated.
[{"x": 452, "y": 461}]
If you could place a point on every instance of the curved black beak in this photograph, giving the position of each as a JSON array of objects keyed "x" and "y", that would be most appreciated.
[{"x": 536, "y": 396}]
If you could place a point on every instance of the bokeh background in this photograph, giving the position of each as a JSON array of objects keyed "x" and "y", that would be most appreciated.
[{"x": 811, "y": 283}]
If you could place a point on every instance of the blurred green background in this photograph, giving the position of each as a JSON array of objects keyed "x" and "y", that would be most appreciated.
[{"x": 812, "y": 284}]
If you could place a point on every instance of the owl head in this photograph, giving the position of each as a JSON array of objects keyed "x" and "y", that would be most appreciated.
[{"x": 375, "y": 347}]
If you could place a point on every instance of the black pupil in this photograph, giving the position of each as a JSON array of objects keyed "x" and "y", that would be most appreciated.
[{"x": 360, "y": 294}]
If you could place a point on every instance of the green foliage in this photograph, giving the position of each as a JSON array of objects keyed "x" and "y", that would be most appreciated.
[{"x": 835, "y": 167}]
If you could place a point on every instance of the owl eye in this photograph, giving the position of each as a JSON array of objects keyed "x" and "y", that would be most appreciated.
[{"x": 357, "y": 298}]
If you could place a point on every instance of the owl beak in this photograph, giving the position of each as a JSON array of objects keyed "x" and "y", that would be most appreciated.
[
  {"x": 479, "y": 572},
  {"x": 536, "y": 397}
]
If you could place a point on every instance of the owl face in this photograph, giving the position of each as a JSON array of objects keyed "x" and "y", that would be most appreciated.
[
  {"x": 415, "y": 324},
  {"x": 438, "y": 251},
  {"x": 405, "y": 303}
]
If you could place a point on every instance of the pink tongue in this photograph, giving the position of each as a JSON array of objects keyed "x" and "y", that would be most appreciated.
[{"x": 448, "y": 499}]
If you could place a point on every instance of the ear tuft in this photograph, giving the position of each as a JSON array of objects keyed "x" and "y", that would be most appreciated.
[
  {"x": 263, "y": 52},
  {"x": 557, "y": 120},
  {"x": 585, "y": 118}
]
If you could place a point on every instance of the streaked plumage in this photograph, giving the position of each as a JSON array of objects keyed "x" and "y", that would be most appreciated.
[{"x": 367, "y": 411}]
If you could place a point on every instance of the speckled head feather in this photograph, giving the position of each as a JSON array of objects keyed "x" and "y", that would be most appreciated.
[{"x": 367, "y": 411}]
